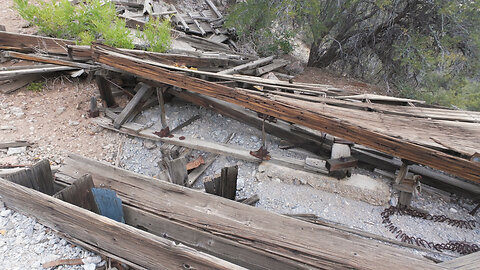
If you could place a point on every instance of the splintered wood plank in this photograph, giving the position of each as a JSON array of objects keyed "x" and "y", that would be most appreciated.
[
  {"x": 32, "y": 43},
  {"x": 253, "y": 64},
  {"x": 308, "y": 114},
  {"x": 135, "y": 245},
  {"x": 39, "y": 177},
  {"x": 177, "y": 170},
  {"x": 295, "y": 243},
  {"x": 79, "y": 194},
  {"x": 143, "y": 93},
  {"x": 270, "y": 67},
  {"x": 229, "y": 182},
  {"x": 14, "y": 144}
]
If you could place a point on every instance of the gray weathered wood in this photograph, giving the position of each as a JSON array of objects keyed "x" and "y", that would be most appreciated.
[
  {"x": 14, "y": 144},
  {"x": 134, "y": 245},
  {"x": 39, "y": 177},
  {"x": 79, "y": 194},
  {"x": 270, "y": 67},
  {"x": 229, "y": 182},
  {"x": 143, "y": 93},
  {"x": 105, "y": 88},
  {"x": 177, "y": 170},
  {"x": 248, "y": 65}
]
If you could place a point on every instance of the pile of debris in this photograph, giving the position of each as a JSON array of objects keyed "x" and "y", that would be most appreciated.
[{"x": 407, "y": 140}]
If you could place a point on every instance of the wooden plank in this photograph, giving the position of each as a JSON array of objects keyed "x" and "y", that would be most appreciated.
[
  {"x": 47, "y": 60},
  {"x": 143, "y": 92},
  {"x": 228, "y": 182},
  {"x": 39, "y": 177},
  {"x": 177, "y": 170},
  {"x": 271, "y": 67},
  {"x": 214, "y": 9},
  {"x": 337, "y": 164},
  {"x": 467, "y": 262},
  {"x": 202, "y": 145},
  {"x": 304, "y": 115},
  {"x": 14, "y": 144},
  {"x": 275, "y": 236},
  {"x": 32, "y": 43},
  {"x": 7, "y": 74},
  {"x": 140, "y": 247},
  {"x": 79, "y": 194},
  {"x": 249, "y": 65}
]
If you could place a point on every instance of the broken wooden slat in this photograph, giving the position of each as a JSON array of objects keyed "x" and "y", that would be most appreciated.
[
  {"x": 14, "y": 144},
  {"x": 304, "y": 115},
  {"x": 140, "y": 247},
  {"x": 177, "y": 170},
  {"x": 249, "y": 65},
  {"x": 80, "y": 194},
  {"x": 214, "y": 9},
  {"x": 143, "y": 93},
  {"x": 104, "y": 88},
  {"x": 38, "y": 177},
  {"x": 271, "y": 67},
  {"x": 228, "y": 182},
  {"x": 32, "y": 43},
  {"x": 47, "y": 60},
  {"x": 7, "y": 74},
  {"x": 195, "y": 174}
]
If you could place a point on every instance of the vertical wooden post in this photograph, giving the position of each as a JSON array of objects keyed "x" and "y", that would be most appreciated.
[
  {"x": 104, "y": 88},
  {"x": 229, "y": 182},
  {"x": 161, "y": 102}
]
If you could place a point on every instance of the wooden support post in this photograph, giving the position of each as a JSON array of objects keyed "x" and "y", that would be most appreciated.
[
  {"x": 402, "y": 173},
  {"x": 79, "y": 194},
  {"x": 39, "y": 177},
  {"x": 229, "y": 182},
  {"x": 104, "y": 88},
  {"x": 161, "y": 102},
  {"x": 177, "y": 170},
  {"x": 143, "y": 93}
]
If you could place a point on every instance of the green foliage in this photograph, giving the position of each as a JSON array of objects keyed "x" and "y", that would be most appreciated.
[
  {"x": 157, "y": 34},
  {"x": 35, "y": 86},
  {"x": 84, "y": 22},
  {"x": 253, "y": 20}
]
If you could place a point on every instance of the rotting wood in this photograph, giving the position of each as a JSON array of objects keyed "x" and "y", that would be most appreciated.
[
  {"x": 341, "y": 163},
  {"x": 195, "y": 174},
  {"x": 202, "y": 145},
  {"x": 251, "y": 200},
  {"x": 140, "y": 247},
  {"x": 212, "y": 184},
  {"x": 294, "y": 243},
  {"x": 47, "y": 60},
  {"x": 38, "y": 177},
  {"x": 142, "y": 94},
  {"x": 161, "y": 103},
  {"x": 214, "y": 9},
  {"x": 249, "y": 65},
  {"x": 105, "y": 89},
  {"x": 59, "y": 262},
  {"x": 288, "y": 111},
  {"x": 9, "y": 144},
  {"x": 177, "y": 170},
  {"x": 79, "y": 194},
  {"x": 228, "y": 182},
  {"x": 8, "y": 74},
  {"x": 32, "y": 43},
  {"x": 271, "y": 67}
]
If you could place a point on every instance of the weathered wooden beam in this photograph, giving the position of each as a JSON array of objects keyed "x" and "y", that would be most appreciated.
[
  {"x": 270, "y": 67},
  {"x": 142, "y": 94},
  {"x": 177, "y": 170},
  {"x": 9, "y": 144},
  {"x": 140, "y": 247},
  {"x": 288, "y": 111},
  {"x": 47, "y": 60},
  {"x": 337, "y": 164},
  {"x": 8, "y": 74},
  {"x": 32, "y": 43},
  {"x": 248, "y": 65},
  {"x": 279, "y": 239}
]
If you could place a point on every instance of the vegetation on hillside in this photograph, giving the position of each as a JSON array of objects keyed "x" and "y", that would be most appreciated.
[
  {"x": 89, "y": 21},
  {"x": 427, "y": 49}
]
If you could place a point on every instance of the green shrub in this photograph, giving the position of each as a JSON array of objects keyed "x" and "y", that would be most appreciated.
[
  {"x": 35, "y": 86},
  {"x": 157, "y": 34},
  {"x": 84, "y": 22}
]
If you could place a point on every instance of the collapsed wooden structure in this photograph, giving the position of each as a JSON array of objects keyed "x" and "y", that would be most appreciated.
[{"x": 388, "y": 133}]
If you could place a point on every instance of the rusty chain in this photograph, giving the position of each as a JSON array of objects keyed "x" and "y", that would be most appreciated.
[{"x": 455, "y": 246}]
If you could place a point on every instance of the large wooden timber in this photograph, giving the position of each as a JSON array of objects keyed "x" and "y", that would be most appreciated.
[
  {"x": 134, "y": 245},
  {"x": 31, "y": 43},
  {"x": 247, "y": 236},
  {"x": 308, "y": 116}
]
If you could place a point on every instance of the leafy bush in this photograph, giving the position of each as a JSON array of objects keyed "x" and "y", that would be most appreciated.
[
  {"x": 253, "y": 19},
  {"x": 157, "y": 34},
  {"x": 84, "y": 22}
]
